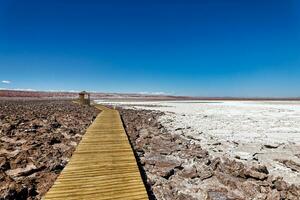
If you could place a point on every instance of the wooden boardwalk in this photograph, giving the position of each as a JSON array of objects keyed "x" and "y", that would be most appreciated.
[{"x": 103, "y": 165}]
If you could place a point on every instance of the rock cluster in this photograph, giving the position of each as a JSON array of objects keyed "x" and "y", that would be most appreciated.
[
  {"x": 178, "y": 168},
  {"x": 37, "y": 139}
]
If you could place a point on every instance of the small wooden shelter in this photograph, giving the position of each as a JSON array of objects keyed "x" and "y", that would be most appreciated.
[{"x": 84, "y": 98}]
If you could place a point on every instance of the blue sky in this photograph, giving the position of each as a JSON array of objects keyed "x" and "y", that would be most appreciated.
[{"x": 199, "y": 48}]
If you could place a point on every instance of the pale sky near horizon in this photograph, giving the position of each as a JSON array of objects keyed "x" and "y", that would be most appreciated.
[{"x": 239, "y": 48}]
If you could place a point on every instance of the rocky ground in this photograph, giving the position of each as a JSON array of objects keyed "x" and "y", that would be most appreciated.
[
  {"x": 177, "y": 167},
  {"x": 37, "y": 140}
]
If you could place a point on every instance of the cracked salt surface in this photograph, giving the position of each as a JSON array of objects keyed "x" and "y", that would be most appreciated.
[{"x": 250, "y": 131}]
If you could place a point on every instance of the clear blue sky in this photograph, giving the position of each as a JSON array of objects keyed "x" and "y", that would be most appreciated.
[{"x": 200, "y": 48}]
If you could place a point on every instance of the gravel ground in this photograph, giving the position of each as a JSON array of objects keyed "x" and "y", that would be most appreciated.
[{"x": 37, "y": 140}]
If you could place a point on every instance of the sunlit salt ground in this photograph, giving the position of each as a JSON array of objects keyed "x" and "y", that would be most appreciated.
[{"x": 247, "y": 131}]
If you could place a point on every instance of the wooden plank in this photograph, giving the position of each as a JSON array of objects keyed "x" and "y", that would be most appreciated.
[{"x": 103, "y": 165}]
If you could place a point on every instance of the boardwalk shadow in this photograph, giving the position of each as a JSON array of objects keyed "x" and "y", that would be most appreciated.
[{"x": 150, "y": 193}]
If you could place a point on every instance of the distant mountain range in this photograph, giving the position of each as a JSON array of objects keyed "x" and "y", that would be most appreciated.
[{"x": 4, "y": 94}]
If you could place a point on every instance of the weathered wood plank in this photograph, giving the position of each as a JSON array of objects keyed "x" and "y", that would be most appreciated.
[{"x": 103, "y": 165}]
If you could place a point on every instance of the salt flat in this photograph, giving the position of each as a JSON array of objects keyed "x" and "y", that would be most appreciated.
[{"x": 249, "y": 131}]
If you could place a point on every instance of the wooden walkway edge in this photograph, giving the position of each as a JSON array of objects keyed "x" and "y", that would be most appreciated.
[{"x": 103, "y": 165}]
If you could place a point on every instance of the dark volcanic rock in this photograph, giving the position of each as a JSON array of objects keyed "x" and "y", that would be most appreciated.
[{"x": 36, "y": 140}]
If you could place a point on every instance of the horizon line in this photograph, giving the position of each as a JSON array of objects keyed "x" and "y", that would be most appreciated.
[{"x": 159, "y": 94}]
